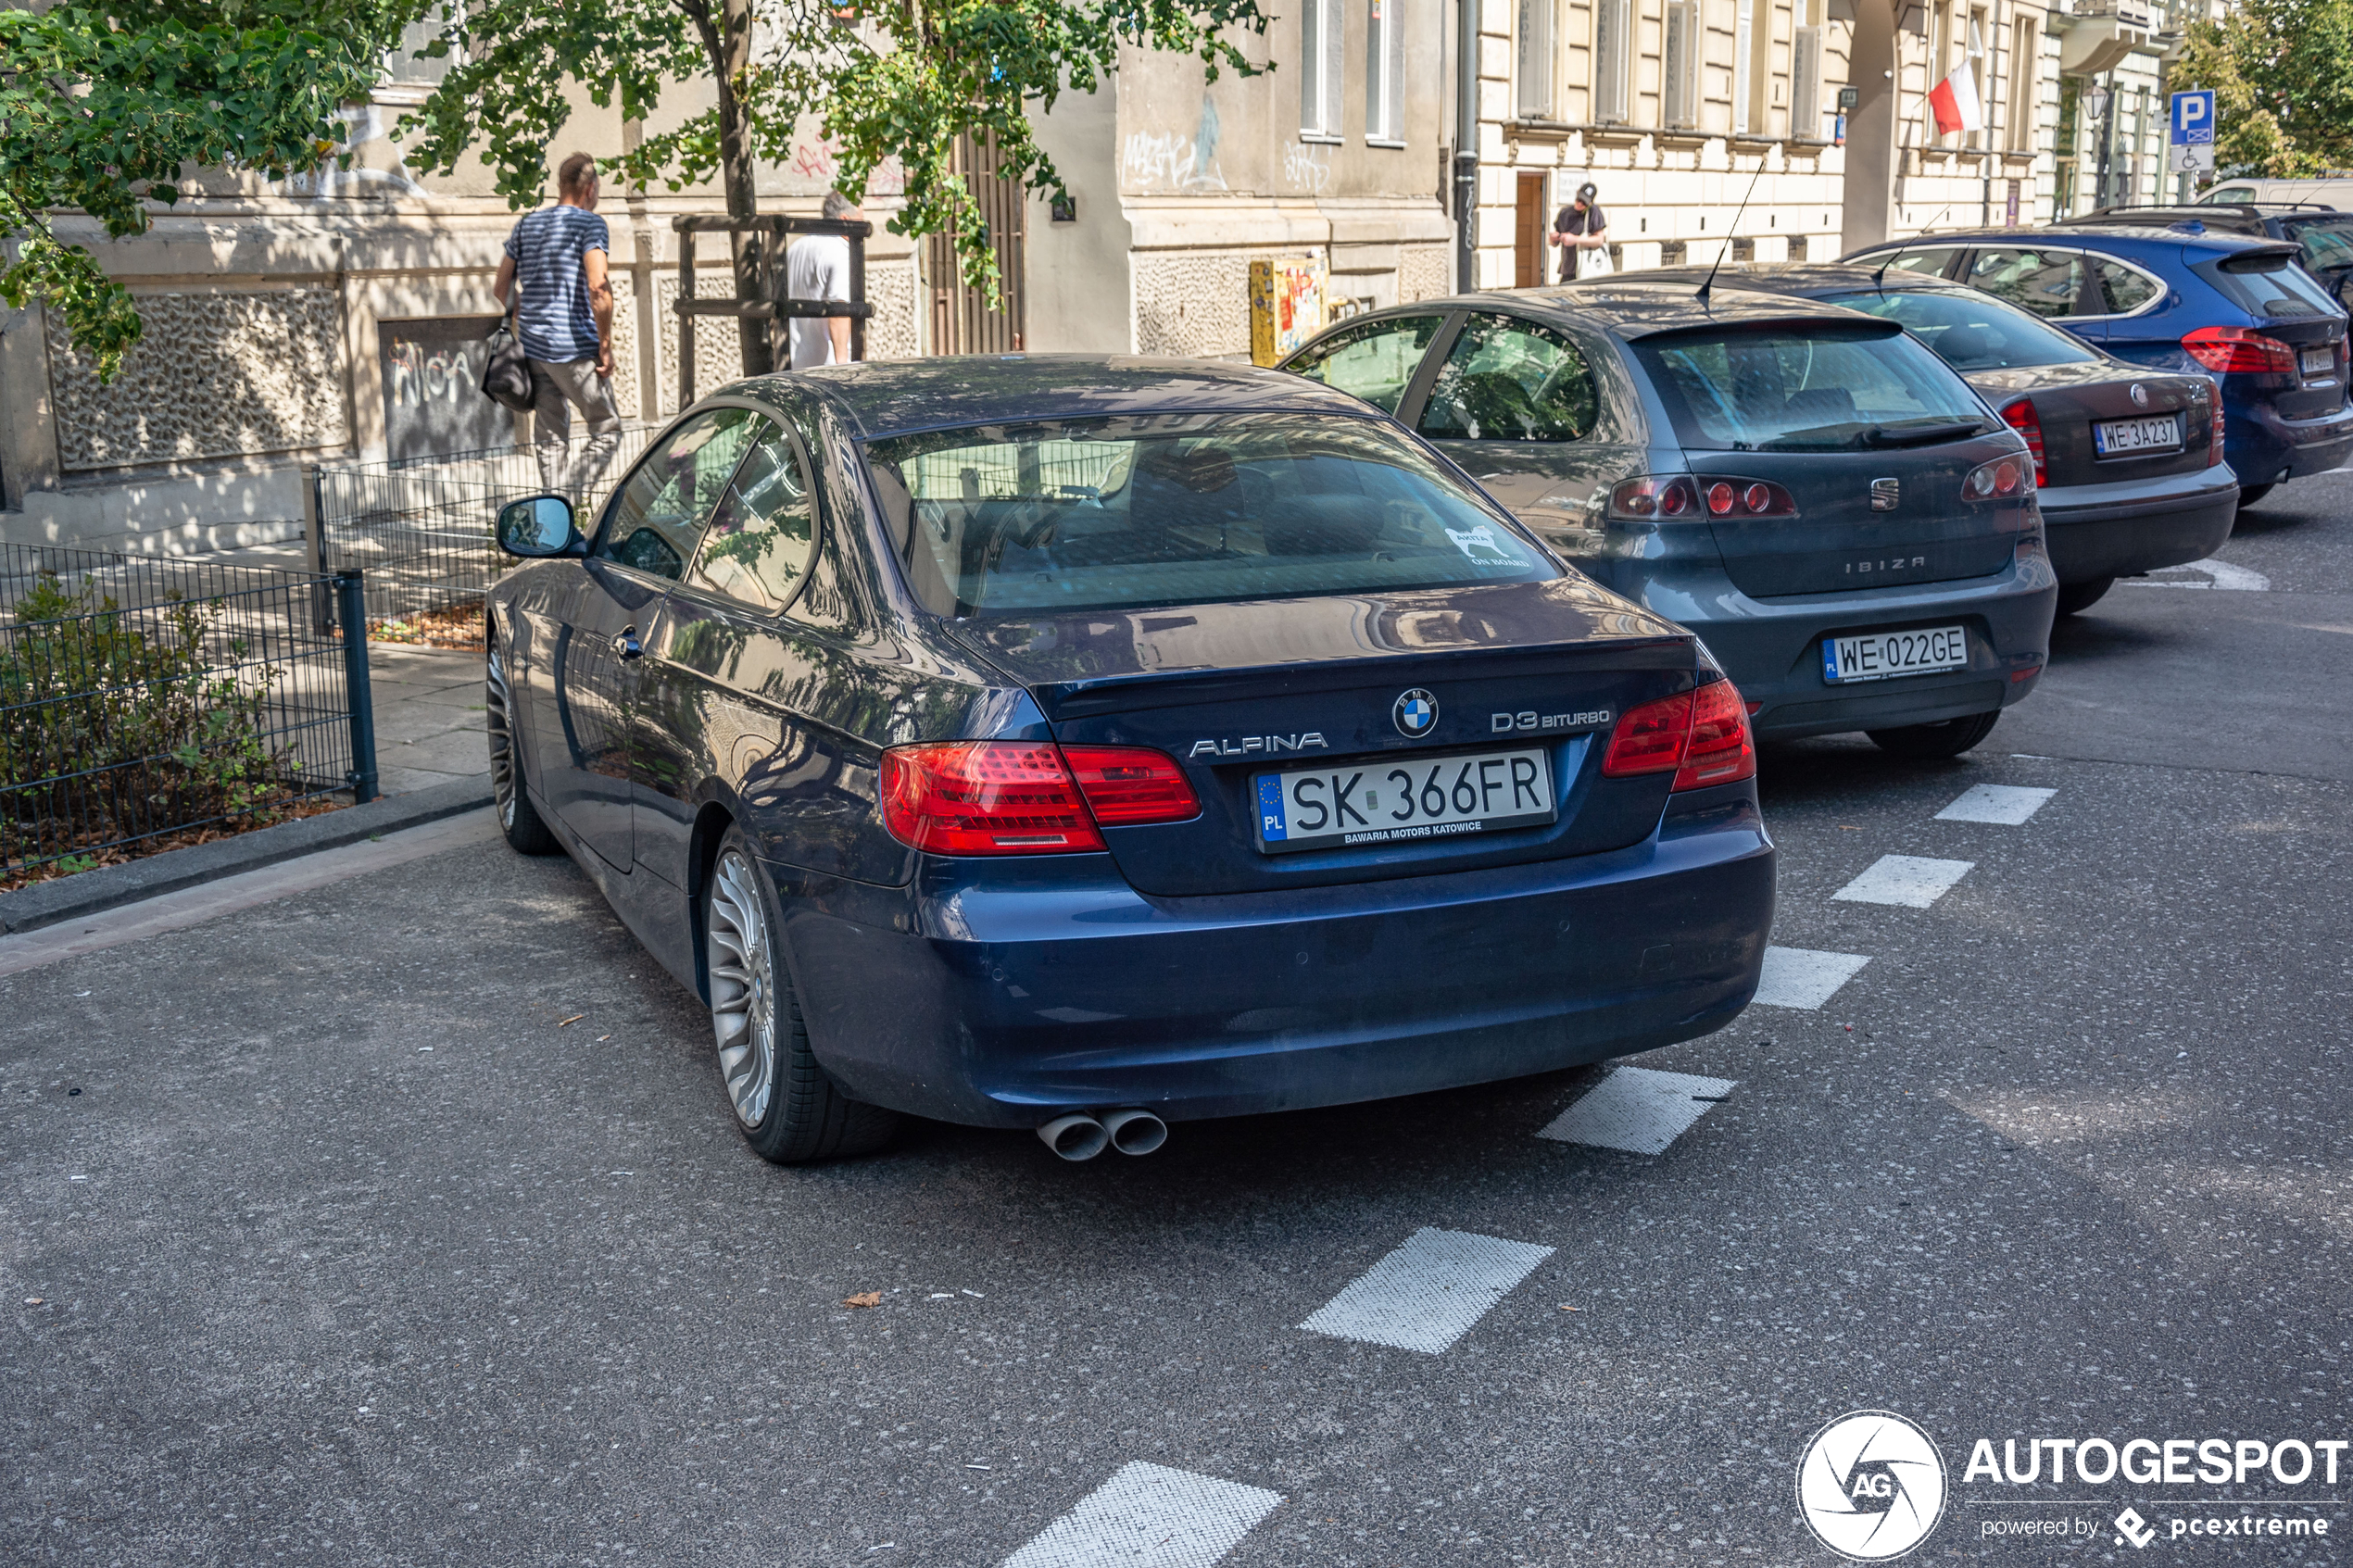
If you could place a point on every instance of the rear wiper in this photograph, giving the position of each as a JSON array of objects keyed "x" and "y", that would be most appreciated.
[{"x": 1919, "y": 435}]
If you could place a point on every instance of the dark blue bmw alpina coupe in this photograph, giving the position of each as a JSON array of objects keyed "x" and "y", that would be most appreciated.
[{"x": 1087, "y": 744}]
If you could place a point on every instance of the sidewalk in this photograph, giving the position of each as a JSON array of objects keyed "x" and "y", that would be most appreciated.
[{"x": 429, "y": 717}]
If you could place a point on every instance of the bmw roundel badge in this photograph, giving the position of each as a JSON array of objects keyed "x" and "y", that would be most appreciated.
[{"x": 1416, "y": 713}]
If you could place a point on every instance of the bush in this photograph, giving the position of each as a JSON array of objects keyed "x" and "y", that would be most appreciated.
[{"x": 116, "y": 724}]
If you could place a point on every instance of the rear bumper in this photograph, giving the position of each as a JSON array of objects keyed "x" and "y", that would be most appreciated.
[
  {"x": 2265, "y": 448},
  {"x": 1006, "y": 997},
  {"x": 1772, "y": 648},
  {"x": 2095, "y": 531}
]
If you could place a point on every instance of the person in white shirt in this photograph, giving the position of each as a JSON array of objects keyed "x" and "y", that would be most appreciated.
[{"x": 817, "y": 267}]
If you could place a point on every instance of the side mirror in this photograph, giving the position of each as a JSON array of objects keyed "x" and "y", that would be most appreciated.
[{"x": 538, "y": 527}]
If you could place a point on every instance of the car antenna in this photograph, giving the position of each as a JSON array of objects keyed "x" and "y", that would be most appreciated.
[
  {"x": 1883, "y": 266},
  {"x": 1710, "y": 282}
]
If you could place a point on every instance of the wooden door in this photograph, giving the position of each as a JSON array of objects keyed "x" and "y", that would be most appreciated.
[
  {"x": 1528, "y": 234},
  {"x": 961, "y": 320}
]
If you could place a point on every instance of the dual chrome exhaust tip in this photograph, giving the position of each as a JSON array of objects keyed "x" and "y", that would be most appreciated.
[{"x": 1083, "y": 1136}]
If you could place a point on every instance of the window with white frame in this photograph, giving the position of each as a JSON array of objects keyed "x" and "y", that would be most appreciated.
[
  {"x": 1385, "y": 72},
  {"x": 2026, "y": 48},
  {"x": 1613, "y": 56},
  {"x": 1806, "y": 73},
  {"x": 1535, "y": 64},
  {"x": 1321, "y": 72},
  {"x": 1679, "y": 92},
  {"x": 1744, "y": 25}
]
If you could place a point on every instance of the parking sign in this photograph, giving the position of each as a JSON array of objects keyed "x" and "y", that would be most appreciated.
[{"x": 2190, "y": 143}]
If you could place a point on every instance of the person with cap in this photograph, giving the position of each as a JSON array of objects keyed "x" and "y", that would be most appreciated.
[{"x": 1583, "y": 232}]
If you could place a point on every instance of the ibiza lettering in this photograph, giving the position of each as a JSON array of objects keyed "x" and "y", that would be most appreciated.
[
  {"x": 1898, "y": 563},
  {"x": 1252, "y": 745}
]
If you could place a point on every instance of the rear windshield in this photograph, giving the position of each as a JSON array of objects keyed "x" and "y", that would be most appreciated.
[
  {"x": 2268, "y": 284},
  {"x": 1973, "y": 332},
  {"x": 1103, "y": 514},
  {"x": 1807, "y": 388}
]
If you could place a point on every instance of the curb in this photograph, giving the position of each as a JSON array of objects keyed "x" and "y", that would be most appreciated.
[{"x": 86, "y": 892}]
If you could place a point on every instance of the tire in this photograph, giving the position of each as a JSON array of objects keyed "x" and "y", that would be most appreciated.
[
  {"x": 1932, "y": 743},
  {"x": 518, "y": 817},
  {"x": 789, "y": 1111},
  {"x": 2250, "y": 493},
  {"x": 2074, "y": 598}
]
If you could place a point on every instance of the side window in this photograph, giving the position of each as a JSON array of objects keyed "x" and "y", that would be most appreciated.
[
  {"x": 1928, "y": 262},
  {"x": 1373, "y": 362},
  {"x": 763, "y": 530},
  {"x": 2127, "y": 290},
  {"x": 661, "y": 507},
  {"x": 1511, "y": 381},
  {"x": 2049, "y": 283}
]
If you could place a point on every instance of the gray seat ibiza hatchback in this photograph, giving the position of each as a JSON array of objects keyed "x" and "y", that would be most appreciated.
[{"x": 1842, "y": 520}]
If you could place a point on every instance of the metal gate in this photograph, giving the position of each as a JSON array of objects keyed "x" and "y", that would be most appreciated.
[{"x": 961, "y": 320}]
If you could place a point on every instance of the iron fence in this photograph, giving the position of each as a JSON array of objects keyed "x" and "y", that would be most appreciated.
[
  {"x": 421, "y": 527},
  {"x": 146, "y": 699}
]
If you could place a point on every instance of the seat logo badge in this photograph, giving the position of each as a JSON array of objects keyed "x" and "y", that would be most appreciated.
[
  {"x": 1885, "y": 493},
  {"x": 2139, "y": 395},
  {"x": 1415, "y": 714},
  {"x": 1870, "y": 1486}
]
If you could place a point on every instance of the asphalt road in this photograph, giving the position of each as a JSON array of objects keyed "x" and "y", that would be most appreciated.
[{"x": 402, "y": 1221}]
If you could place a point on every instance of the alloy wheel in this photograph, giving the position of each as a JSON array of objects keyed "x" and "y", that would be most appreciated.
[
  {"x": 743, "y": 999},
  {"x": 498, "y": 719}
]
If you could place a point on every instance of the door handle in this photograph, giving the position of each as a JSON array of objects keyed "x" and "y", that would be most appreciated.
[{"x": 626, "y": 643}]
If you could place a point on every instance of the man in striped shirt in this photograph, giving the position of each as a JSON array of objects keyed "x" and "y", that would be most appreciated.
[{"x": 557, "y": 265}]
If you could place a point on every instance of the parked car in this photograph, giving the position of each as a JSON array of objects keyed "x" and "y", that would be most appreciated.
[
  {"x": 2128, "y": 465},
  {"x": 2334, "y": 190},
  {"x": 1819, "y": 497},
  {"x": 2324, "y": 236},
  {"x": 2239, "y": 309},
  {"x": 1088, "y": 744}
]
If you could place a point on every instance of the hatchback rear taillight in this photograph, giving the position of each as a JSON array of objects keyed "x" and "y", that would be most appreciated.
[
  {"x": 2021, "y": 417},
  {"x": 1025, "y": 797},
  {"x": 1701, "y": 737},
  {"x": 1748, "y": 498},
  {"x": 2004, "y": 479},
  {"x": 2214, "y": 445},
  {"x": 1650, "y": 497},
  {"x": 2227, "y": 349}
]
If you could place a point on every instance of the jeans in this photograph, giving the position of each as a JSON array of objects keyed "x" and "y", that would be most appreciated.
[{"x": 555, "y": 390}]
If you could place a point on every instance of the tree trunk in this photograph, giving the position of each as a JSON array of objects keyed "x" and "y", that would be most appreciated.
[{"x": 736, "y": 178}]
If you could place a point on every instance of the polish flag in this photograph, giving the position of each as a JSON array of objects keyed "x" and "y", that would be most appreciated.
[{"x": 1955, "y": 100}]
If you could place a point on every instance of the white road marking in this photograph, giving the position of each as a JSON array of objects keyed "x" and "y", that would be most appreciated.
[
  {"x": 1804, "y": 979},
  {"x": 1427, "y": 1293},
  {"x": 1637, "y": 1109},
  {"x": 194, "y": 905},
  {"x": 1149, "y": 1516},
  {"x": 1913, "y": 881},
  {"x": 2008, "y": 804},
  {"x": 2219, "y": 575}
]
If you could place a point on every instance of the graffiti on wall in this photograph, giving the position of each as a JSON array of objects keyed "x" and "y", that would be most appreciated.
[
  {"x": 433, "y": 401},
  {"x": 1173, "y": 160}
]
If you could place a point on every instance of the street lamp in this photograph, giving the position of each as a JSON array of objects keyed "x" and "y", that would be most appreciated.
[{"x": 2096, "y": 103}]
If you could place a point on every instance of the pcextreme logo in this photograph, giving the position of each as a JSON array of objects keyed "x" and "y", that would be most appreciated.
[{"x": 1870, "y": 1486}]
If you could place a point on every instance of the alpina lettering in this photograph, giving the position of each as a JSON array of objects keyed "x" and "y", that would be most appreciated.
[{"x": 1249, "y": 745}]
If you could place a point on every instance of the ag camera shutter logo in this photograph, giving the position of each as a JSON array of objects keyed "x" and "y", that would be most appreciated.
[{"x": 1872, "y": 1485}]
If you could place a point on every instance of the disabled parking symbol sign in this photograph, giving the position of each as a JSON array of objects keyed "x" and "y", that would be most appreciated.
[{"x": 2190, "y": 141}]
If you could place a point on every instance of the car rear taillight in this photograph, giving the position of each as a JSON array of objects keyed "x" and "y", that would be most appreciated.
[
  {"x": 2214, "y": 445},
  {"x": 2001, "y": 480},
  {"x": 1132, "y": 785},
  {"x": 1701, "y": 737},
  {"x": 1026, "y": 797},
  {"x": 1653, "y": 497},
  {"x": 985, "y": 797},
  {"x": 2227, "y": 349},
  {"x": 1748, "y": 498},
  {"x": 2019, "y": 415}
]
